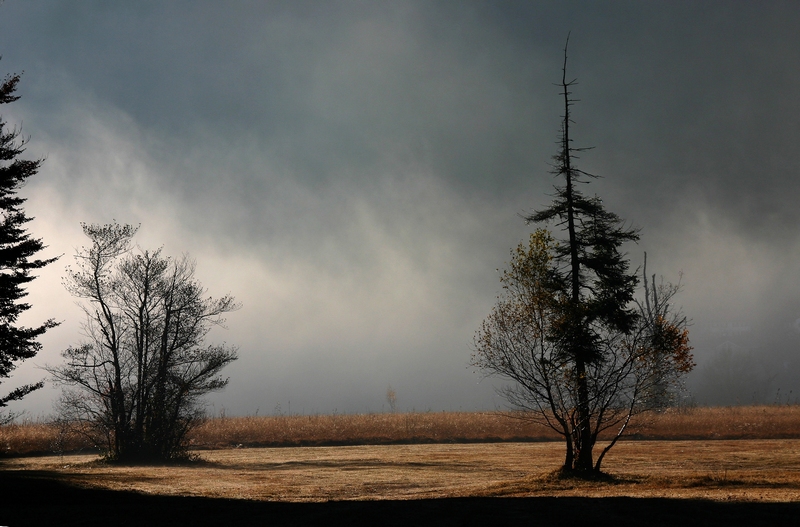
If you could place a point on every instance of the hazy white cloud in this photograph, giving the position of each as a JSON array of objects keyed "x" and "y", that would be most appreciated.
[{"x": 353, "y": 172}]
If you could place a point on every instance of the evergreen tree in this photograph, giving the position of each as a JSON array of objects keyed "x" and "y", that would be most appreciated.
[
  {"x": 582, "y": 354},
  {"x": 17, "y": 251},
  {"x": 591, "y": 272}
]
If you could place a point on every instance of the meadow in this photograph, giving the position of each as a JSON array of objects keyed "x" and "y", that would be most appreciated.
[
  {"x": 715, "y": 466},
  {"x": 737, "y": 422},
  {"x": 750, "y": 470}
]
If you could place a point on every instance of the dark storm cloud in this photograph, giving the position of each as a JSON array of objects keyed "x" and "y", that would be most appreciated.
[{"x": 354, "y": 171}]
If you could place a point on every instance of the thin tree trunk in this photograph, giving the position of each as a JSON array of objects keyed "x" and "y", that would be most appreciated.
[
  {"x": 569, "y": 459},
  {"x": 584, "y": 460}
]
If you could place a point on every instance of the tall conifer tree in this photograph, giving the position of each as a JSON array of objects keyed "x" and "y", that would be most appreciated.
[
  {"x": 17, "y": 252},
  {"x": 592, "y": 274}
]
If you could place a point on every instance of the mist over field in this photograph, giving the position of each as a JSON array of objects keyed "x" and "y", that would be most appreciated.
[{"x": 354, "y": 173}]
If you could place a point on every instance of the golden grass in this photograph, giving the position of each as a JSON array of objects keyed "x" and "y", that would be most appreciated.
[
  {"x": 732, "y": 422},
  {"x": 743, "y": 470},
  {"x": 754, "y": 422},
  {"x": 38, "y": 438},
  {"x": 371, "y": 429}
]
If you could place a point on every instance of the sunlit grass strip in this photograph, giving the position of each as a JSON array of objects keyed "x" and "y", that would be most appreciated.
[
  {"x": 733, "y": 422},
  {"x": 312, "y": 430}
]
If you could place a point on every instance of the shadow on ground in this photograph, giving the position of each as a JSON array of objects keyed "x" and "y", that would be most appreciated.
[{"x": 35, "y": 498}]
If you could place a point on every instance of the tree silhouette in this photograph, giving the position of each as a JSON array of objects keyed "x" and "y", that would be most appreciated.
[
  {"x": 136, "y": 384},
  {"x": 17, "y": 253},
  {"x": 583, "y": 354}
]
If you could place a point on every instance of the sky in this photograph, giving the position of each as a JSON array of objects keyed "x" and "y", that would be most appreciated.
[{"x": 355, "y": 173}]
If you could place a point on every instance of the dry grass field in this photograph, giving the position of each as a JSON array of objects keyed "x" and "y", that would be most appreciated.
[
  {"x": 738, "y": 465},
  {"x": 749, "y": 470},
  {"x": 753, "y": 422}
]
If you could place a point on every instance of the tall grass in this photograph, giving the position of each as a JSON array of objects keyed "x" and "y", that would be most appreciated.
[
  {"x": 36, "y": 437},
  {"x": 313, "y": 430},
  {"x": 730, "y": 422},
  {"x": 753, "y": 422}
]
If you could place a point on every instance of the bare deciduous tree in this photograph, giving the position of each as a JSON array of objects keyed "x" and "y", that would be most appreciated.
[{"x": 135, "y": 384}]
